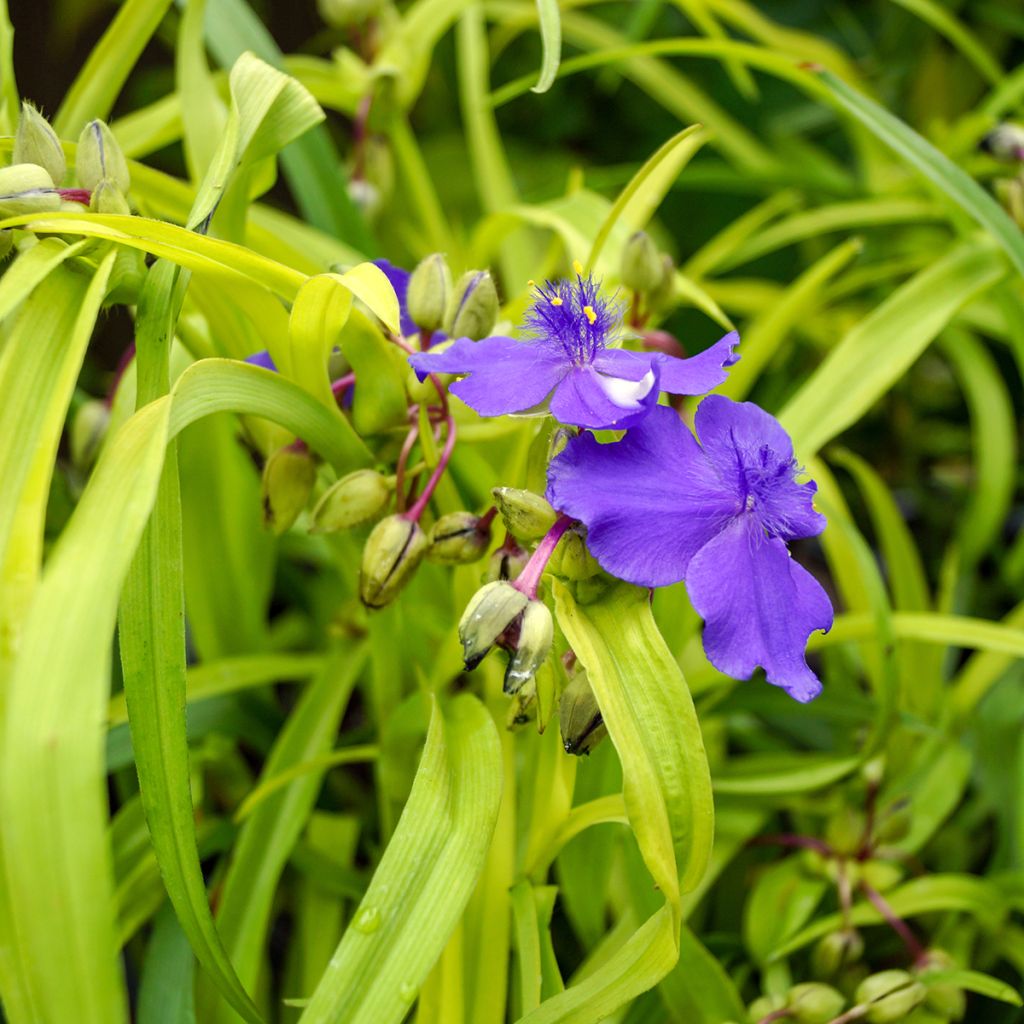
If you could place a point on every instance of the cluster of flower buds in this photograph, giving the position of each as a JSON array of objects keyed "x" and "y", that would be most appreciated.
[
  {"x": 466, "y": 309},
  {"x": 647, "y": 273},
  {"x": 807, "y": 1003}
]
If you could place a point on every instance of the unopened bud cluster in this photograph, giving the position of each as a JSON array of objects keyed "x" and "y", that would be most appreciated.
[{"x": 466, "y": 309}]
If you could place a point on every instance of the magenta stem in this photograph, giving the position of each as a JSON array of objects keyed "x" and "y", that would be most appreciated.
[
  {"x": 403, "y": 459},
  {"x": 122, "y": 364},
  {"x": 529, "y": 579},
  {"x": 342, "y": 384},
  {"x": 486, "y": 519},
  {"x": 896, "y": 923},
  {"x": 414, "y": 513},
  {"x": 75, "y": 195}
]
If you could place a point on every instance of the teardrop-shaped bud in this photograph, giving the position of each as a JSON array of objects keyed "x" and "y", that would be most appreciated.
[
  {"x": 288, "y": 478},
  {"x": 100, "y": 157},
  {"x": 490, "y": 612},
  {"x": 429, "y": 293},
  {"x": 35, "y": 142},
  {"x": 527, "y": 515},
  {"x": 353, "y": 500},
  {"x": 392, "y": 554},
  {"x": 458, "y": 539},
  {"x": 642, "y": 269},
  {"x": 532, "y": 645},
  {"x": 473, "y": 307}
]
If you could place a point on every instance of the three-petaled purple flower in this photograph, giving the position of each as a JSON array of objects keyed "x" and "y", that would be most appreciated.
[
  {"x": 660, "y": 507},
  {"x": 568, "y": 361}
]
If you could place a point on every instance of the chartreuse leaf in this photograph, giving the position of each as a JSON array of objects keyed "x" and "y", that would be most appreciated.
[
  {"x": 954, "y": 182},
  {"x": 879, "y": 349},
  {"x": 311, "y": 163},
  {"x": 30, "y": 268},
  {"x": 551, "y": 36},
  {"x": 268, "y": 110},
  {"x": 152, "y": 645},
  {"x": 8, "y": 85},
  {"x": 40, "y": 362},
  {"x": 650, "y": 717},
  {"x": 53, "y": 779},
  {"x": 93, "y": 92},
  {"x": 229, "y": 262},
  {"x": 229, "y": 675},
  {"x": 425, "y": 876},
  {"x": 666, "y": 783},
  {"x": 637, "y": 202},
  {"x": 974, "y": 981},
  {"x": 270, "y": 832}
]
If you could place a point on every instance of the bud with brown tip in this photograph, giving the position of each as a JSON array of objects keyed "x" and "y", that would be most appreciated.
[{"x": 579, "y": 716}]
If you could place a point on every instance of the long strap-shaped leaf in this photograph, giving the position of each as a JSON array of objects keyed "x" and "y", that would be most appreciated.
[
  {"x": 270, "y": 833},
  {"x": 666, "y": 784},
  {"x": 425, "y": 877}
]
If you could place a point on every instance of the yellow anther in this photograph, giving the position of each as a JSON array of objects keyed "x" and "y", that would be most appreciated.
[
  {"x": 589, "y": 313},
  {"x": 556, "y": 302},
  {"x": 531, "y": 283},
  {"x": 578, "y": 267}
]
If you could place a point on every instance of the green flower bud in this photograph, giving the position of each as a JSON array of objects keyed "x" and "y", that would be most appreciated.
[
  {"x": 288, "y": 478},
  {"x": 35, "y": 142},
  {"x": 835, "y": 951},
  {"x": 458, "y": 539},
  {"x": 765, "y": 1005},
  {"x": 506, "y": 563},
  {"x": 1005, "y": 142},
  {"x": 532, "y": 645},
  {"x": 845, "y": 831},
  {"x": 429, "y": 292},
  {"x": 527, "y": 515},
  {"x": 814, "y": 1003},
  {"x": 26, "y": 188},
  {"x": 108, "y": 198},
  {"x": 663, "y": 295},
  {"x": 642, "y": 269},
  {"x": 560, "y": 438},
  {"x": 473, "y": 306},
  {"x": 880, "y": 874},
  {"x": 6, "y": 243},
  {"x": 344, "y": 13},
  {"x": 393, "y": 552},
  {"x": 355, "y": 499},
  {"x": 571, "y": 558},
  {"x": 889, "y": 996},
  {"x": 523, "y": 706},
  {"x": 491, "y": 611},
  {"x": 944, "y": 998},
  {"x": 100, "y": 157},
  {"x": 579, "y": 717},
  {"x": 88, "y": 428}
]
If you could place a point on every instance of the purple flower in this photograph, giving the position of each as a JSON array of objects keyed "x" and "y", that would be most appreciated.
[
  {"x": 660, "y": 507},
  {"x": 567, "y": 359},
  {"x": 262, "y": 358}
]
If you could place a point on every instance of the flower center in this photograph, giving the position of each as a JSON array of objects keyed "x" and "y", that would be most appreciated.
[{"x": 574, "y": 316}]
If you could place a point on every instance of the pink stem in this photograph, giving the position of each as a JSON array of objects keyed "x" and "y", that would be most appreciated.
[
  {"x": 413, "y": 515},
  {"x": 342, "y": 384},
  {"x": 75, "y": 195},
  {"x": 529, "y": 579},
  {"x": 403, "y": 459},
  {"x": 896, "y": 923},
  {"x": 122, "y": 364}
]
